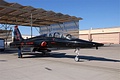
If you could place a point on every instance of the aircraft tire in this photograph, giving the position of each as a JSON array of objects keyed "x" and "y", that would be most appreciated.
[{"x": 76, "y": 58}]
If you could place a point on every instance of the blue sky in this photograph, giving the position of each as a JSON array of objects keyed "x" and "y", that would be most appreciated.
[{"x": 95, "y": 13}]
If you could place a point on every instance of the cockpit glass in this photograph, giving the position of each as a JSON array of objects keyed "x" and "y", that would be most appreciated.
[
  {"x": 57, "y": 35},
  {"x": 60, "y": 35}
]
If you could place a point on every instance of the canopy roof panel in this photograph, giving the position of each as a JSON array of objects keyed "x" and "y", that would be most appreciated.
[{"x": 14, "y": 13}]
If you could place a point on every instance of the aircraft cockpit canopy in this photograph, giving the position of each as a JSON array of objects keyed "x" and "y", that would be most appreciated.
[{"x": 60, "y": 35}]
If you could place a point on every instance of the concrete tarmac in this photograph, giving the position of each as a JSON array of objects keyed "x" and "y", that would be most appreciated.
[{"x": 101, "y": 64}]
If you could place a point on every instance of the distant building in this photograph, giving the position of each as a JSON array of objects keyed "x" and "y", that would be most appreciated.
[{"x": 102, "y": 35}]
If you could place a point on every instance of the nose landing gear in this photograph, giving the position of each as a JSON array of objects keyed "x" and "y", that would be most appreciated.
[{"x": 77, "y": 56}]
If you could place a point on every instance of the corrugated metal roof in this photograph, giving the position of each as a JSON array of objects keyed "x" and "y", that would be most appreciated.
[{"x": 14, "y": 13}]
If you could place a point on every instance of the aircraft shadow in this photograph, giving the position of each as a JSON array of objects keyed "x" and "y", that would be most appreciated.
[
  {"x": 8, "y": 52},
  {"x": 98, "y": 58},
  {"x": 63, "y": 55}
]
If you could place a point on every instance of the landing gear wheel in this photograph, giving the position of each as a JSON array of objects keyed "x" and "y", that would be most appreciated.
[
  {"x": 76, "y": 58},
  {"x": 77, "y": 52}
]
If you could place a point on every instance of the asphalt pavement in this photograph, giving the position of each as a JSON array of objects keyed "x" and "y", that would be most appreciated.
[{"x": 101, "y": 64}]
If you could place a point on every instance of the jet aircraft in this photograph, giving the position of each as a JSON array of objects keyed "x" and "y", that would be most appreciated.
[{"x": 52, "y": 40}]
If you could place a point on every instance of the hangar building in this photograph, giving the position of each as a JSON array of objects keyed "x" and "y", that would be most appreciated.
[{"x": 102, "y": 35}]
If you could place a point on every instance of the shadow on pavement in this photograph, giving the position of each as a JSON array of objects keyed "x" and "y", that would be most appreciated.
[
  {"x": 63, "y": 55},
  {"x": 9, "y": 51}
]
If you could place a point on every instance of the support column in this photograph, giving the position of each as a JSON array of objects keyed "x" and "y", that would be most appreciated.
[
  {"x": 6, "y": 35},
  {"x": 31, "y": 22},
  {"x": 60, "y": 26}
]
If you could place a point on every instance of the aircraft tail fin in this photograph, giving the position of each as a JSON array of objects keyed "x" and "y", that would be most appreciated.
[{"x": 17, "y": 34}]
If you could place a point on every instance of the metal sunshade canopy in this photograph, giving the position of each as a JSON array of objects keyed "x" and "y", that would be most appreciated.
[{"x": 14, "y": 13}]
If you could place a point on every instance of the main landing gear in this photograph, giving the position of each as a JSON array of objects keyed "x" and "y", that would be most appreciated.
[
  {"x": 77, "y": 52},
  {"x": 44, "y": 51}
]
